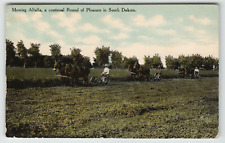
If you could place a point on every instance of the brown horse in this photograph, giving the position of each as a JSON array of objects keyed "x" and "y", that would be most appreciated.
[
  {"x": 141, "y": 72},
  {"x": 189, "y": 72},
  {"x": 181, "y": 72},
  {"x": 133, "y": 71},
  {"x": 186, "y": 72},
  {"x": 144, "y": 72},
  {"x": 73, "y": 71}
]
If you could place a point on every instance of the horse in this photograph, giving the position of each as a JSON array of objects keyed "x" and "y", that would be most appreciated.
[
  {"x": 186, "y": 72},
  {"x": 140, "y": 72},
  {"x": 189, "y": 72},
  {"x": 144, "y": 72},
  {"x": 133, "y": 71},
  {"x": 181, "y": 72},
  {"x": 73, "y": 71},
  {"x": 58, "y": 66}
]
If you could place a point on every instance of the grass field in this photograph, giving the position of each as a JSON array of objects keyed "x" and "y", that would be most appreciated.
[
  {"x": 171, "y": 108},
  {"x": 46, "y": 77}
]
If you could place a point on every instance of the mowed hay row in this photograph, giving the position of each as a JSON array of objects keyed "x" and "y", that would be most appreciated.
[{"x": 174, "y": 108}]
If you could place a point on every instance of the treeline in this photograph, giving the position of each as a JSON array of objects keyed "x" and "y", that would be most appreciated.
[
  {"x": 22, "y": 56},
  {"x": 193, "y": 61},
  {"x": 31, "y": 57}
]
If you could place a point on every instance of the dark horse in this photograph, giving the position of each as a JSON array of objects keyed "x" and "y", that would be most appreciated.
[
  {"x": 133, "y": 71},
  {"x": 144, "y": 72},
  {"x": 186, "y": 72},
  {"x": 181, "y": 72},
  {"x": 73, "y": 71},
  {"x": 141, "y": 72},
  {"x": 189, "y": 72}
]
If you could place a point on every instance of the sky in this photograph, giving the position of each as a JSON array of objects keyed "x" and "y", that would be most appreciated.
[{"x": 145, "y": 30}]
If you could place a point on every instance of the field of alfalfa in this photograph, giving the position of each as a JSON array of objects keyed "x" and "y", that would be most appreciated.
[{"x": 171, "y": 108}]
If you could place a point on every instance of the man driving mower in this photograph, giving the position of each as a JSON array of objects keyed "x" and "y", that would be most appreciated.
[
  {"x": 105, "y": 74},
  {"x": 157, "y": 75},
  {"x": 197, "y": 73}
]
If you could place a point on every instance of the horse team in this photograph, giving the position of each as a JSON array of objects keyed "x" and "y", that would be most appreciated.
[
  {"x": 188, "y": 72},
  {"x": 74, "y": 72}
]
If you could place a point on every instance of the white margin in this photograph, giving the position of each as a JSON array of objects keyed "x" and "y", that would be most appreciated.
[{"x": 4, "y": 139}]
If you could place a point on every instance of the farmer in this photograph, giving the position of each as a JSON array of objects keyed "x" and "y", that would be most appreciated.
[
  {"x": 159, "y": 70},
  {"x": 105, "y": 75},
  {"x": 158, "y": 73},
  {"x": 196, "y": 71},
  {"x": 105, "y": 71}
]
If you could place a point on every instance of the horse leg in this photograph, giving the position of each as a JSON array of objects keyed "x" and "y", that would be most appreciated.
[
  {"x": 85, "y": 80},
  {"x": 72, "y": 81},
  {"x": 77, "y": 81},
  {"x": 63, "y": 79}
]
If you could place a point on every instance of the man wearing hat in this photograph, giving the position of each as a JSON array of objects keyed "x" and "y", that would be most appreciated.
[
  {"x": 105, "y": 74},
  {"x": 196, "y": 72},
  {"x": 105, "y": 71}
]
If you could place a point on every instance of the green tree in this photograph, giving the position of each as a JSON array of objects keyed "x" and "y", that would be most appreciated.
[
  {"x": 102, "y": 55},
  {"x": 10, "y": 52},
  {"x": 216, "y": 63},
  {"x": 95, "y": 64},
  {"x": 148, "y": 62},
  {"x": 171, "y": 62},
  {"x": 48, "y": 61},
  {"x": 77, "y": 57},
  {"x": 86, "y": 62},
  {"x": 196, "y": 61},
  {"x": 183, "y": 61},
  {"x": 124, "y": 62},
  {"x": 22, "y": 52},
  {"x": 209, "y": 62},
  {"x": 132, "y": 62},
  {"x": 33, "y": 51},
  {"x": 156, "y": 61},
  {"x": 67, "y": 59},
  {"x": 116, "y": 59},
  {"x": 191, "y": 62},
  {"x": 55, "y": 51}
]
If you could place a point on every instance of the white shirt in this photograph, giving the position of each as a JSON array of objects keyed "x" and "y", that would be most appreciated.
[
  {"x": 196, "y": 70},
  {"x": 106, "y": 70}
]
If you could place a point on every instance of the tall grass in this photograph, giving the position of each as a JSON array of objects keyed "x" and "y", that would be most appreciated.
[
  {"x": 30, "y": 73},
  {"x": 31, "y": 77}
]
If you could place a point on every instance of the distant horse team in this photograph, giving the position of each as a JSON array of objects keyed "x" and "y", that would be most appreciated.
[
  {"x": 188, "y": 72},
  {"x": 143, "y": 73}
]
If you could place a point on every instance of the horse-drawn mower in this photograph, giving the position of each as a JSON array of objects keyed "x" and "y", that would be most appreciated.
[{"x": 104, "y": 79}]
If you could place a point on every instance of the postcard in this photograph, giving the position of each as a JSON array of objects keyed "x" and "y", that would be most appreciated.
[{"x": 121, "y": 70}]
